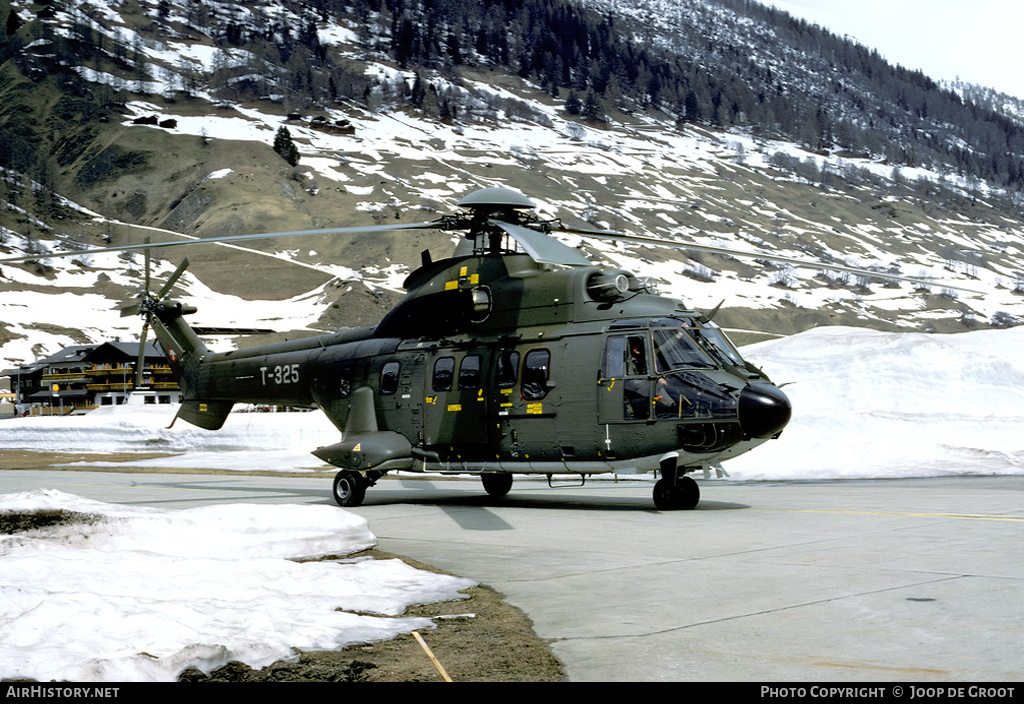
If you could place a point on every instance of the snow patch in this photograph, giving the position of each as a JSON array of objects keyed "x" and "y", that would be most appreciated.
[{"x": 139, "y": 594}]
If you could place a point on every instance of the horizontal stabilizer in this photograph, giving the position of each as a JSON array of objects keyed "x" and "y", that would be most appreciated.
[{"x": 205, "y": 414}]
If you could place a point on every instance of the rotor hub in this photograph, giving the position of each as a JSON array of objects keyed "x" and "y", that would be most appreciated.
[{"x": 497, "y": 199}]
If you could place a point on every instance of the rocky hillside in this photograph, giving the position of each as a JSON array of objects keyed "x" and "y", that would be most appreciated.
[{"x": 172, "y": 119}]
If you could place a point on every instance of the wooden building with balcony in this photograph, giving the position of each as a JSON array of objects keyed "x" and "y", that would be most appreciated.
[{"x": 82, "y": 377}]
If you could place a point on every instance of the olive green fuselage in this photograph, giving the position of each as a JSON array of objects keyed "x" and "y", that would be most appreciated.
[{"x": 498, "y": 364}]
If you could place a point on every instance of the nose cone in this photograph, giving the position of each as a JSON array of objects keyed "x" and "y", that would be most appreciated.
[{"x": 763, "y": 410}]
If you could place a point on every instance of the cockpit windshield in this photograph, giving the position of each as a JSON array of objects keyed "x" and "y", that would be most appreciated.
[
  {"x": 712, "y": 336},
  {"x": 675, "y": 349},
  {"x": 689, "y": 347}
]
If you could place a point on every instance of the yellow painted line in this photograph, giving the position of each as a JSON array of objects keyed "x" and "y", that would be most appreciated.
[
  {"x": 965, "y": 516},
  {"x": 430, "y": 654}
]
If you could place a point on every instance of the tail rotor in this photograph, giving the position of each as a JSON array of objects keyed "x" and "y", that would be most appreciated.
[{"x": 147, "y": 307}]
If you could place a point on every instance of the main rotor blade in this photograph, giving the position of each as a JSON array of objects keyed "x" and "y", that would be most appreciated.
[
  {"x": 434, "y": 225},
  {"x": 591, "y": 232},
  {"x": 544, "y": 249},
  {"x": 640, "y": 239}
]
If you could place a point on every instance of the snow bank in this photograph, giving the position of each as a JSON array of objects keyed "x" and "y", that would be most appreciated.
[
  {"x": 248, "y": 441},
  {"x": 874, "y": 404},
  {"x": 139, "y": 594}
]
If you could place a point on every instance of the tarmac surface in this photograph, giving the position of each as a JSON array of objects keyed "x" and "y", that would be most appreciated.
[{"x": 859, "y": 580}]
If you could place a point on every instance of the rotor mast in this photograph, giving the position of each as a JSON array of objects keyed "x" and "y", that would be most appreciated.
[{"x": 486, "y": 206}]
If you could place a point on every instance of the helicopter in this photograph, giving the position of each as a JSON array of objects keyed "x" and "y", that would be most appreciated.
[{"x": 515, "y": 355}]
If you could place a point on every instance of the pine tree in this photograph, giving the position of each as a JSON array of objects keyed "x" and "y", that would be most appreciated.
[
  {"x": 691, "y": 107},
  {"x": 284, "y": 146},
  {"x": 419, "y": 92},
  {"x": 573, "y": 106},
  {"x": 592, "y": 111}
]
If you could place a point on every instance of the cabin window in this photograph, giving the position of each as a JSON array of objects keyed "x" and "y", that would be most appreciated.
[
  {"x": 389, "y": 378},
  {"x": 469, "y": 372},
  {"x": 444, "y": 372},
  {"x": 536, "y": 371},
  {"x": 507, "y": 372}
]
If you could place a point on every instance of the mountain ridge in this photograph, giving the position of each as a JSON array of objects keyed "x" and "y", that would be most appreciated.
[{"x": 214, "y": 172}]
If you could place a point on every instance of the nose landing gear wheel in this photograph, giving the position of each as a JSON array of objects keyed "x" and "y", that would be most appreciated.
[
  {"x": 683, "y": 494},
  {"x": 349, "y": 488}
]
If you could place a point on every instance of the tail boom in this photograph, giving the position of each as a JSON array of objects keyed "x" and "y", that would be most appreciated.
[{"x": 213, "y": 382}]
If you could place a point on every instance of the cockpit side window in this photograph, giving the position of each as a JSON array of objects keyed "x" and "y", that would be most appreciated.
[
  {"x": 625, "y": 356},
  {"x": 636, "y": 356},
  {"x": 614, "y": 365}
]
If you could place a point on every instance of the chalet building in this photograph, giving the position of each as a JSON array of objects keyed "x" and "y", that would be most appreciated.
[{"x": 83, "y": 377}]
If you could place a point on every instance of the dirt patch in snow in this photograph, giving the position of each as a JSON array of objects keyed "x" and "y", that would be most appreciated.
[{"x": 480, "y": 639}]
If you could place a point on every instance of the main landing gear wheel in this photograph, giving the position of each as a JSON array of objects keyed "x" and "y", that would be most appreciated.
[
  {"x": 496, "y": 484},
  {"x": 349, "y": 488},
  {"x": 683, "y": 494}
]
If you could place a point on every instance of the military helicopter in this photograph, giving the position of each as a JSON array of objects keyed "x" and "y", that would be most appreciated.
[{"x": 515, "y": 355}]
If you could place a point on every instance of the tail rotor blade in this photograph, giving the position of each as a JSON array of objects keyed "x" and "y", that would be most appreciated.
[
  {"x": 146, "y": 279},
  {"x": 166, "y": 288},
  {"x": 142, "y": 353}
]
